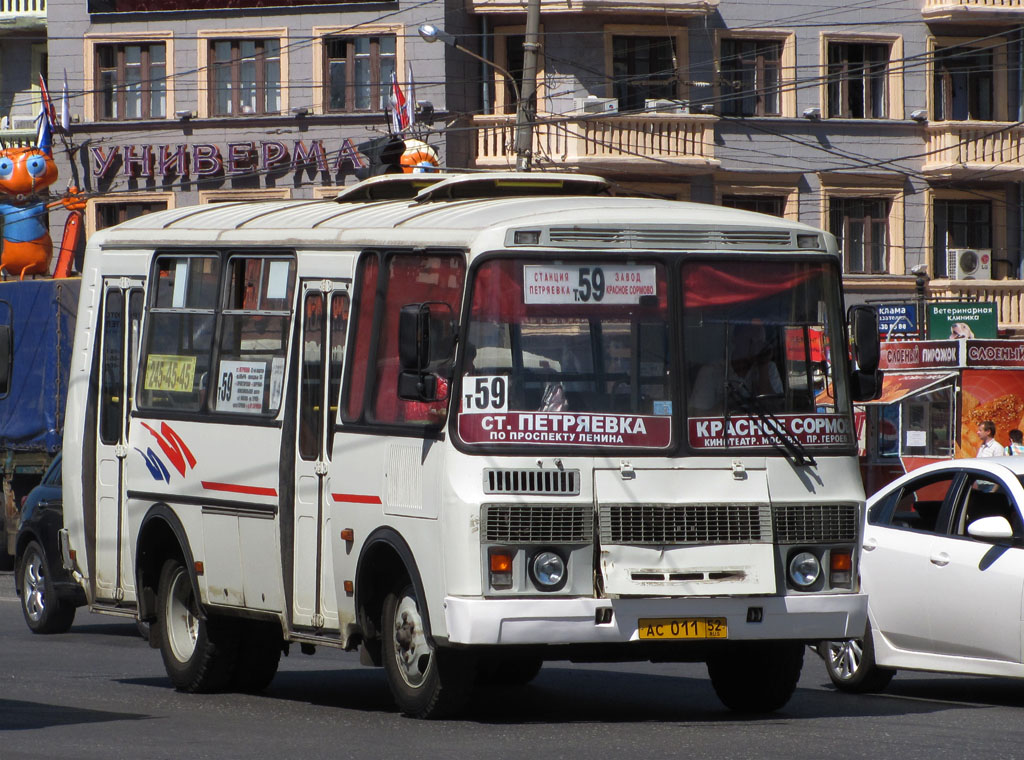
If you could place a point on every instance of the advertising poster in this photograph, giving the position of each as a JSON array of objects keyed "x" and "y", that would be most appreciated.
[
  {"x": 996, "y": 395},
  {"x": 895, "y": 319},
  {"x": 962, "y": 320}
]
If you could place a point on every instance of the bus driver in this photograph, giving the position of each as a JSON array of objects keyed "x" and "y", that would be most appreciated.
[{"x": 751, "y": 371}]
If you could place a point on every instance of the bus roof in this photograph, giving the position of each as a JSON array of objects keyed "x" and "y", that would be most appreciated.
[{"x": 584, "y": 220}]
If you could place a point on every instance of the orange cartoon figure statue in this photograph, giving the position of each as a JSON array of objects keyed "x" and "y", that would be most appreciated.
[{"x": 25, "y": 173}]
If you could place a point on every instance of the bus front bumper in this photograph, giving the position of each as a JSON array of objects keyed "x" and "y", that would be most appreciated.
[{"x": 555, "y": 620}]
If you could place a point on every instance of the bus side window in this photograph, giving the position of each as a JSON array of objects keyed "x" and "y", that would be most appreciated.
[
  {"x": 175, "y": 362},
  {"x": 413, "y": 278}
]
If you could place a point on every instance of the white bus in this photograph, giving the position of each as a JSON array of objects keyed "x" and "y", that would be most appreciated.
[{"x": 502, "y": 420}]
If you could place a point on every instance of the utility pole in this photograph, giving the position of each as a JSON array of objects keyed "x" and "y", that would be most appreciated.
[{"x": 526, "y": 108}]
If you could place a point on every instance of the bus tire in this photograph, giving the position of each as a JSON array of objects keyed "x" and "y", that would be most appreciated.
[
  {"x": 259, "y": 654},
  {"x": 425, "y": 681},
  {"x": 756, "y": 677},
  {"x": 851, "y": 665},
  {"x": 43, "y": 609},
  {"x": 199, "y": 655}
]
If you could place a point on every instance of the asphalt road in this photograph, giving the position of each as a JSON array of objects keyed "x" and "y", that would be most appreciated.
[{"x": 100, "y": 692}]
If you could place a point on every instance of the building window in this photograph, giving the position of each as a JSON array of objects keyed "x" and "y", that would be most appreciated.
[
  {"x": 960, "y": 224},
  {"x": 857, "y": 75},
  {"x": 762, "y": 204},
  {"x": 861, "y": 228},
  {"x": 132, "y": 81},
  {"x": 359, "y": 71},
  {"x": 514, "y": 57},
  {"x": 963, "y": 85},
  {"x": 643, "y": 68},
  {"x": 109, "y": 214},
  {"x": 245, "y": 77},
  {"x": 751, "y": 73}
]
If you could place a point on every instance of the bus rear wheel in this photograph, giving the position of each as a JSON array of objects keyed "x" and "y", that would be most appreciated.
[
  {"x": 426, "y": 682},
  {"x": 756, "y": 677},
  {"x": 199, "y": 654}
]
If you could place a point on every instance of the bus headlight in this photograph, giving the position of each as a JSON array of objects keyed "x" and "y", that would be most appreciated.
[
  {"x": 547, "y": 570},
  {"x": 804, "y": 569}
]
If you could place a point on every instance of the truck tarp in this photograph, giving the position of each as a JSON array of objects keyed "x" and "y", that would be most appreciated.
[{"x": 41, "y": 314}]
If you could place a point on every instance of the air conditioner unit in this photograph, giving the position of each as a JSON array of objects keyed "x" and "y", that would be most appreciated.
[
  {"x": 593, "y": 104},
  {"x": 659, "y": 105},
  {"x": 969, "y": 263}
]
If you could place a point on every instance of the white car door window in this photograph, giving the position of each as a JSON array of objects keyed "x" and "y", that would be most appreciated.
[
  {"x": 976, "y": 585},
  {"x": 896, "y": 570}
]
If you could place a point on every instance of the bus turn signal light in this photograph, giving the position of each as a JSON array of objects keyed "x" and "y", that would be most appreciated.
[
  {"x": 841, "y": 569},
  {"x": 501, "y": 568},
  {"x": 348, "y": 535}
]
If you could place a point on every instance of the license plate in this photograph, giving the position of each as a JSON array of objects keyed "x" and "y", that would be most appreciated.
[{"x": 683, "y": 628}]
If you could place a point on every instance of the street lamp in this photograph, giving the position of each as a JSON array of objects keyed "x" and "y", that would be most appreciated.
[{"x": 524, "y": 134}]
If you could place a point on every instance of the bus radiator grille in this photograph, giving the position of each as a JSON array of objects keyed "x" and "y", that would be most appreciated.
[
  {"x": 533, "y": 482},
  {"x": 815, "y": 523},
  {"x": 664, "y": 525},
  {"x": 536, "y": 524}
]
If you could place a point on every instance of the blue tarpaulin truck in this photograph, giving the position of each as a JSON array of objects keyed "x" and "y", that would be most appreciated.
[{"x": 37, "y": 321}]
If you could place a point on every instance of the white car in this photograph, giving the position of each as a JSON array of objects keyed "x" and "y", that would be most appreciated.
[{"x": 943, "y": 566}]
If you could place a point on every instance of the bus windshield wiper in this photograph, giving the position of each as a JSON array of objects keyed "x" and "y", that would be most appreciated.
[{"x": 796, "y": 452}]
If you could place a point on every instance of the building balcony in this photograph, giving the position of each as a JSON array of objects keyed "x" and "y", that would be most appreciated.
[
  {"x": 22, "y": 15},
  {"x": 656, "y": 144},
  {"x": 960, "y": 149},
  {"x": 982, "y": 11},
  {"x": 18, "y": 138},
  {"x": 1008, "y": 295},
  {"x": 677, "y": 8}
]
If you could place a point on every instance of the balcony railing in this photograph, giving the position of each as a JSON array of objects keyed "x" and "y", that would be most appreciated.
[
  {"x": 959, "y": 148},
  {"x": 548, "y": 7},
  {"x": 22, "y": 13},
  {"x": 653, "y": 143},
  {"x": 1007, "y": 294},
  {"x": 17, "y": 138},
  {"x": 973, "y": 10}
]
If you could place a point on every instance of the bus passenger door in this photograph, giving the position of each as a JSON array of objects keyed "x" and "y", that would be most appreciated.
[
  {"x": 119, "y": 337},
  {"x": 325, "y": 306}
]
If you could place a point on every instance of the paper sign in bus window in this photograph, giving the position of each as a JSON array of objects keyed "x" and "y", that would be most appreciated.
[
  {"x": 588, "y": 284},
  {"x": 484, "y": 393},
  {"x": 276, "y": 382},
  {"x": 240, "y": 386},
  {"x": 277, "y": 281},
  {"x": 166, "y": 372}
]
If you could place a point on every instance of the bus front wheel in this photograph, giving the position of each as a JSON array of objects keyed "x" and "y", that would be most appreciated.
[
  {"x": 756, "y": 677},
  {"x": 199, "y": 653},
  {"x": 426, "y": 682}
]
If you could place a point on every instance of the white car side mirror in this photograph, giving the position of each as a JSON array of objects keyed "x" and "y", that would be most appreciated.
[{"x": 989, "y": 528}]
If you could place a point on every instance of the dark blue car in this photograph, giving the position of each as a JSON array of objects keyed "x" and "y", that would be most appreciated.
[{"x": 49, "y": 595}]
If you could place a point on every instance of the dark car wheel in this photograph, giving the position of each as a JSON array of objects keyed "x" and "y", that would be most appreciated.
[
  {"x": 851, "y": 665},
  {"x": 43, "y": 609}
]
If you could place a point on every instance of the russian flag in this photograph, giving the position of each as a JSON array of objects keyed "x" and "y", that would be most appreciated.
[
  {"x": 399, "y": 113},
  {"x": 44, "y": 135}
]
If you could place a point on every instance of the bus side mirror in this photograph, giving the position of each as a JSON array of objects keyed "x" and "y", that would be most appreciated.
[
  {"x": 867, "y": 351},
  {"x": 6, "y": 354},
  {"x": 426, "y": 342},
  {"x": 866, "y": 379}
]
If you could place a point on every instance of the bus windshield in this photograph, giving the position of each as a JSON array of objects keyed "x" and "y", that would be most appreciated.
[
  {"x": 568, "y": 353},
  {"x": 581, "y": 353},
  {"x": 759, "y": 363}
]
